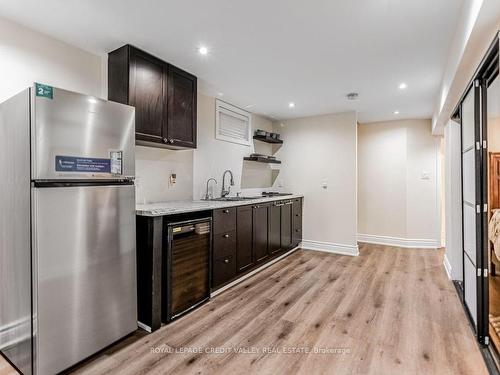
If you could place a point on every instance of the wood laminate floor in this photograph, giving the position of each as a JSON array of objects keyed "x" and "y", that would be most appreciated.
[{"x": 388, "y": 311}]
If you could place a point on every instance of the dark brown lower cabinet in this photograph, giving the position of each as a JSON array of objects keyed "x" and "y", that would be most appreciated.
[
  {"x": 260, "y": 232},
  {"x": 244, "y": 238},
  {"x": 224, "y": 269},
  {"x": 286, "y": 225},
  {"x": 274, "y": 228},
  {"x": 296, "y": 221}
]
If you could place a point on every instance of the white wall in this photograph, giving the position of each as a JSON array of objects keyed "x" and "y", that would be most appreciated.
[
  {"x": 397, "y": 204},
  {"x": 382, "y": 158},
  {"x": 453, "y": 201},
  {"x": 212, "y": 156},
  {"x": 153, "y": 169},
  {"x": 317, "y": 150},
  {"x": 27, "y": 56}
]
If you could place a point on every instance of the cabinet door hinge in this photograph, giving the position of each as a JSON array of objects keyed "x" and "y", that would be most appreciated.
[
  {"x": 485, "y": 272},
  {"x": 478, "y": 209},
  {"x": 479, "y": 272},
  {"x": 478, "y": 146},
  {"x": 485, "y": 145},
  {"x": 487, "y": 340},
  {"x": 485, "y": 207}
]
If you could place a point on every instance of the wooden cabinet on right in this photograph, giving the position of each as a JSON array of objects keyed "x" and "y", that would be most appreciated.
[
  {"x": 244, "y": 238},
  {"x": 260, "y": 232},
  {"x": 296, "y": 221},
  {"x": 286, "y": 225},
  {"x": 274, "y": 228}
]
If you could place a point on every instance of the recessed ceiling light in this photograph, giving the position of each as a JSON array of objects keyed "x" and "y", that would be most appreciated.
[
  {"x": 403, "y": 86},
  {"x": 203, "y": 50},
  {"x": 291, "y": 104},
  {"x": 396, "y": 112},
  {"x": 220, "y": 94},
  {"x": 92, "y": 100}
]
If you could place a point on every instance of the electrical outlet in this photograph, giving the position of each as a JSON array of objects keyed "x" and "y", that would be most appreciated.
[{"x": 173, "y": 178}]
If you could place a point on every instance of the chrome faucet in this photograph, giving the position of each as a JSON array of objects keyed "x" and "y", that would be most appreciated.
[
  {"x": 231, "y": 181},
  {"x": 207, "y": 195}
]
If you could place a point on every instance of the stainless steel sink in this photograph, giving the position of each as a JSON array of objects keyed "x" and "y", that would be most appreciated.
[{"x": 233, "y": 199}]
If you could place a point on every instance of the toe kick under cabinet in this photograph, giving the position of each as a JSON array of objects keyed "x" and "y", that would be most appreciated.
[{"x": 243, "y": 238}]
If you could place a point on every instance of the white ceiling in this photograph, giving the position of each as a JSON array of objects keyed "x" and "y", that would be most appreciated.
[{"x": 265, "y": 54}]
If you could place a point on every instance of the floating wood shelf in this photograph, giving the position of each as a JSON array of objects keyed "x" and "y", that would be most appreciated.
[
  {"x": 267, "y": 139},
  {"x": 262, "y": 160}
]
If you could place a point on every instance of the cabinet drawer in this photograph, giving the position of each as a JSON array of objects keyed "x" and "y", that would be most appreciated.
[
  {"x": 224, "y": 244},
  {"x": 224, "y": 269},
  {"x": 224, "y": 220}
]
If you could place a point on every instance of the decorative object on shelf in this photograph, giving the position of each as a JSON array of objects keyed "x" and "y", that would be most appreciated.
[
  {"x": 261, "y": 159},
  {"x": 267, "y": 139},
  {"x": 262, "y": 133}
]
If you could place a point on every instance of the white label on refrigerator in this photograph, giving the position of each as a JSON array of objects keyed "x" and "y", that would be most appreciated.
[{"x": 116, "y": 162}]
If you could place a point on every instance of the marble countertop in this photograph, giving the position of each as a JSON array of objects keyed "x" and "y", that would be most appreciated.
[{"x": 180, "y": 207}]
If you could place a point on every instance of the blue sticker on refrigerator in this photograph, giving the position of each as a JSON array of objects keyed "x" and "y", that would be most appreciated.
[{"x": 81, "y": 164}]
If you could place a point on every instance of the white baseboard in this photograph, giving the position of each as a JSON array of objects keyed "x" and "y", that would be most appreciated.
[
  {"x": 329, "y": 247},
  {"x": 246, "y": 276},
  {"x": 447, "y": 266},
  {"x": 144, "y": 327},
  {"x": 399, "y": 242}
]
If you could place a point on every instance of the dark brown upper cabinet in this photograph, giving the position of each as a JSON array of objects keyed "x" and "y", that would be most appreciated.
[
  {"x": 181, "y": 108},
  {"x": 163, "y": 95}
]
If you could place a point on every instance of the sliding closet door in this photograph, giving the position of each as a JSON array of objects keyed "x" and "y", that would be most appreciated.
[
  {"x": 471, "y": 192},
  {"x": 473, "y": 113}
]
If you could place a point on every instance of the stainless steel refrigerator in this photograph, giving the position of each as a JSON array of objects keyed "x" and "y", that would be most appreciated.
[{"x": 67, "y": 227}]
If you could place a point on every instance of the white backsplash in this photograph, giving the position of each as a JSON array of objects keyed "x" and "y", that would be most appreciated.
[{"x": 153, "y": 169}]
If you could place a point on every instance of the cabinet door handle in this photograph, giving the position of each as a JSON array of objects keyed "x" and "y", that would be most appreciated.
[
  {"x": 297, "y": 230},
  {"x": 170, "y": 140},
  {"x": 226, "y": 235},
  {"x": 226, "y": 261},
  {"x": 298, "y": 215},
  {"x": 225, "y": 211},
  {"x": 165, "y": 140}
]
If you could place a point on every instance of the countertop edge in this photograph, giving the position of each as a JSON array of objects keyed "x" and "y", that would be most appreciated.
[{"x": 200, "y": 205}]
